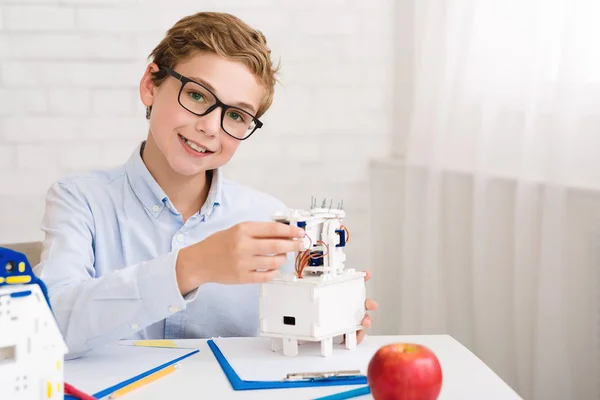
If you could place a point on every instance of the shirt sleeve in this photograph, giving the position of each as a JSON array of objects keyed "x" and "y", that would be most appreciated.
[{"x": 92, "y": 311}]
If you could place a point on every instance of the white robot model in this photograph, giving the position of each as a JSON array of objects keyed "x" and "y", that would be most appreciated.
[
  {"x": 322, "y": 299},
  {"x": 32, "y": 348}
]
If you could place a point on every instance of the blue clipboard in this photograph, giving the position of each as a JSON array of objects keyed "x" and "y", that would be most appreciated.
[{"x": 238, "y": 384}]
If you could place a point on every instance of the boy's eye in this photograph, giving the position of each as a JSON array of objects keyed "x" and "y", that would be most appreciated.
[
  {"x": 197, "y": 96},
  {"x": 235, "y": 116}
]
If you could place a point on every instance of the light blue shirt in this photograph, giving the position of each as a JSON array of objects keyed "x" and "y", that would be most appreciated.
[{"x": 112, "y": 239}]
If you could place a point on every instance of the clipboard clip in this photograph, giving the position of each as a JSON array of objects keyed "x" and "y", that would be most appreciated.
[{"x": 301, "y": 376}]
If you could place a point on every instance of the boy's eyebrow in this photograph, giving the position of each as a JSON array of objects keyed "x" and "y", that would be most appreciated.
[{"x": 239, "y": 104}]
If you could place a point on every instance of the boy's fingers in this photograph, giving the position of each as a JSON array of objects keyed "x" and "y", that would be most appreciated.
[
  {"x": 274, "y": 230},
  {"x": 268, "y": 262},
  {"x": 367, "y": 321},
  {"x": 360, "y": 335},
  {"x": 368, "y": 276},
  {"x": 371, "y": 304},
  {"x": 263, "y": 276},
  {"x": 264, "y": 247}
]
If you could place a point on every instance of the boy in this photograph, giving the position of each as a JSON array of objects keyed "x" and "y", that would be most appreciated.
[{"x": 163, "y": 246}]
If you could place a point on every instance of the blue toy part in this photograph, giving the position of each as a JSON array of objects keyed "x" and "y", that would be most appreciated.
[
  {"x": 342, "y": 234},
  {"x": 16, "y": 270},
  {"x": 317, "y": 261}
]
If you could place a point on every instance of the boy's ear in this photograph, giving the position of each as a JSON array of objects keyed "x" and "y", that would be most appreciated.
[{"x": 147, "y": 85}]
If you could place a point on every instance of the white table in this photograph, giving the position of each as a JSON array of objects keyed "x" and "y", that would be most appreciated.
[{"x": 466, "y": 377}]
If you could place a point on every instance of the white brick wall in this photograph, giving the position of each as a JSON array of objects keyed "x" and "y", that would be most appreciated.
[{"x": 69, "y": 74}]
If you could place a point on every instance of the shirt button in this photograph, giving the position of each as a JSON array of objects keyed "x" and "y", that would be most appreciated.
[
  {"x": 135, "y": 326},
  {"x": 173, "y": 309},
  {"x": 155, "y": 207},
  {"x": 180, "y": 237}
]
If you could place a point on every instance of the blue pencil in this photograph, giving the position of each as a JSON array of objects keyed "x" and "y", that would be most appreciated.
[{"x": 361, "y": 391}]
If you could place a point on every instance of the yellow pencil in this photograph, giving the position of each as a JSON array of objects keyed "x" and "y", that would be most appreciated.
[{"x": 144, "y": 381}]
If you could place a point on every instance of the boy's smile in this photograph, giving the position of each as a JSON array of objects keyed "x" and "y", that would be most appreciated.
[{"x": 195, "y": 149}]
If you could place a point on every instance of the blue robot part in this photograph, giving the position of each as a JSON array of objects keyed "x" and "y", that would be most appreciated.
[
  {"x": 342, "y": 234},
  {"x": 16, "y": 270},
  {"x": 317, "y": 261}
]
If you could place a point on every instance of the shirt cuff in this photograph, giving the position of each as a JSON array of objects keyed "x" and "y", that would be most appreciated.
[{"x": 158, "y": 288}]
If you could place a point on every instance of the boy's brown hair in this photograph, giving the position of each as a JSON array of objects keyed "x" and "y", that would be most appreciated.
[{"x": 223, "y": 34}]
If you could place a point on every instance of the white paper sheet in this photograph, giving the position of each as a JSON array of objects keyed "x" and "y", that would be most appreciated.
[
  {"x": 252, "y": 358},
  {"x": 110, "y": 365}
]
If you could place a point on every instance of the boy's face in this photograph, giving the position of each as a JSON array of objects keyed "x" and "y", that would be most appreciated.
[{"x": 177, "y": 133}]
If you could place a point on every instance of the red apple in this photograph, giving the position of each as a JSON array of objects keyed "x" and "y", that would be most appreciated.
[{"x": 404, "y": 371}]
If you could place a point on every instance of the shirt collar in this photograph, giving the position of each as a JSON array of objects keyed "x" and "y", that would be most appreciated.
[
  {"x": 214, "y": 194},
  {"x": 151, "y": 194}
]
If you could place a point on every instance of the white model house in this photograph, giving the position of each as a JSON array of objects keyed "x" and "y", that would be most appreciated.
[
  {"x": 322, "y": 299},
  {"x": 32, "y": 348}
]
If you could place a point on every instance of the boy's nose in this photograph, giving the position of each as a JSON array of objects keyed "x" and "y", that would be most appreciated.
[{"x": 210, "y": 123}]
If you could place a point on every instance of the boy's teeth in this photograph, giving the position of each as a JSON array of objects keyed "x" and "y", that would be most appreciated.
[
  {"x": 193, "y": 146},
  {"x": 198, "y": 149}
]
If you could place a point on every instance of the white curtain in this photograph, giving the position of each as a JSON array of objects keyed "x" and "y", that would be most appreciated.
[{"x": 501, "y": 206}]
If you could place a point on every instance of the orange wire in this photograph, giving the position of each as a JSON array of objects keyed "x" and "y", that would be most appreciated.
[
  {"x": 324, "y": 254},
  {"x": 303, "y": 258},
  {"x": 347, "y": 232}
]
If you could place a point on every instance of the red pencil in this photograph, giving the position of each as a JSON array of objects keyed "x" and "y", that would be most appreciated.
[{"x": 70, "y": 390}]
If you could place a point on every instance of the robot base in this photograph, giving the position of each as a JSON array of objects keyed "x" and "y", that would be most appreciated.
[
  {"x": 290, "y": 345},
  {"x": 313, "y": 309}
]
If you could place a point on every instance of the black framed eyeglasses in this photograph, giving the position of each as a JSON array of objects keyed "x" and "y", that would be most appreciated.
[{"x": 199, "y": 100}]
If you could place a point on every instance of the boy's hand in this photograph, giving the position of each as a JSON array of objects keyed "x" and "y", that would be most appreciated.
[
  {"x": 367, "y": 320},
  {"x": 250, "y": 252}
]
